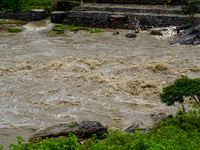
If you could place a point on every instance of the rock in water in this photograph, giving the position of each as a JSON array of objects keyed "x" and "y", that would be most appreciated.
[
  {"x": 156, "y": 32},
  {"x": 131, "y": 35},
  {"x": 83, "y": 130},
  {"x": 116, "y": 33}
]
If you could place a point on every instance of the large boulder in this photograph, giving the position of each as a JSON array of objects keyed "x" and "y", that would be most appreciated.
[
  {"x": 196, "y": 43},
  {"x": 137, "y": 127},
  {"x": 54, "y": 131},
  {"x": 83, "y": 130},
  {"x": 189, "y": 36},
  {"x": 157, "y": 117},
  {"x": 87, "y": 128},
  {"x": 132, "y": 128}
]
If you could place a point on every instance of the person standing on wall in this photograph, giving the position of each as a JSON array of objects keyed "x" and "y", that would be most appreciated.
[
  {"x": 137, "y": 22},
  {"x": 178, "y": 30}
]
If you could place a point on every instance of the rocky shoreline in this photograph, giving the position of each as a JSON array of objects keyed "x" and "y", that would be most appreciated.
[
  {"x": 86, "y": 129},
  {"x": 82, "y": 130}
]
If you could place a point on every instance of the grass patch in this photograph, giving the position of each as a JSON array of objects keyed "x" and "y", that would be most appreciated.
[
  {"x": 13, "y": 22},
  {"x": 73, "y": 28},
  {"x": 59, "y": 32},
  {"x": 94, "y": 30},
  {"x": 57, "y": 28},
  {"x": 14, "y": 30},
  {"x": 65, "y": 26},
  {"x": 73, "y": 125}
]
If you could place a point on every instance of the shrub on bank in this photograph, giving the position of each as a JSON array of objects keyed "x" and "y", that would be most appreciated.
[
  {"x": 23, "y": 5},
  {"x": 174, "y": 132}
]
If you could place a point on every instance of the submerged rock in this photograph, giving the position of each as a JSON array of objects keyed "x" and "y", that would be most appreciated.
[
  {"x": 116, "y": 33},
  {"x": 156, "y": 32},
  {"x": 131, "y": 35},
  {"x": 83, "y": 130}
]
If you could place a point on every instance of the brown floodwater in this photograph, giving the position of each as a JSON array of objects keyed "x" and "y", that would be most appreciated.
[{"x": 47, "y": 79}]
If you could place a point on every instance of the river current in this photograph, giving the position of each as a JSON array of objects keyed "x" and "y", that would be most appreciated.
[{"x": 47, "y": 79}]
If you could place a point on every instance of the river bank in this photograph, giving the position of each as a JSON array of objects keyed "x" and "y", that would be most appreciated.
[{"x": 48, "y": 79}]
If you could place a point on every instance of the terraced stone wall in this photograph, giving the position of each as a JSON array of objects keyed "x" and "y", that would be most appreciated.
[
  {"x": 151, "y": 2},
  {"x": 29, "y": 15},
  {"x": 105, "y": 20}
]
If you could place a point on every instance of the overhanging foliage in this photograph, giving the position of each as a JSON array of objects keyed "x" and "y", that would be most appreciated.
[{"x": 183, "y": 87}]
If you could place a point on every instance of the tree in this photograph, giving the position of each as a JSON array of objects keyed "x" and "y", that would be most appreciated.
[
  {"x": 10, "y": 4},
  {"x": 183, "y": 87},
  {"x": 190, "y": 8}
]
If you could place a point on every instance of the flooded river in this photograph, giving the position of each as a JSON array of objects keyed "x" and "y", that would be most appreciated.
[{"x": 47, "y": 79}]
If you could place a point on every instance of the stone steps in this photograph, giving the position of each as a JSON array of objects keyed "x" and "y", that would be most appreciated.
[
  {"x": 129, "y": 9},
  {"x": 124, "y": 13},
  {"x": 120, "y": 16}
]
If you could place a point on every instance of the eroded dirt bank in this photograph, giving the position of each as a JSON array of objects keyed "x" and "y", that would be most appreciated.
[{"x": 47, "y": 79}]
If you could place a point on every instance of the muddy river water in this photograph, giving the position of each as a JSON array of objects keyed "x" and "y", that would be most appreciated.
[{"x": 47, "y": 79}]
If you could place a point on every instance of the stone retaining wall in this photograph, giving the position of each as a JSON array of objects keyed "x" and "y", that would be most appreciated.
[
  {"x": 32, "y": 15},
  {"x": 105, "y": 20},
  {"x": 131, "y": 10}
]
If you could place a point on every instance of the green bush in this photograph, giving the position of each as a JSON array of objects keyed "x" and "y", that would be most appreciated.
[
  {"x": 16, "y": 5},
  {"x": 190, "y": 8},
  {"x": 187, "y": 122},
  {"x": 70, "y": 143},
  {"x": 1, "y": 146}
]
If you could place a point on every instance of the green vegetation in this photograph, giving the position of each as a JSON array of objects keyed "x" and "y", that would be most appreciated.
[
  {"x": 190, "y": 8},
  {"x": 14, "y": 30},
  {"x": 73, "y": 125},
  {"x": 174, "y": 132},
  {"x": 182, "y": 88},
  {"x": 24, "y": 5},
  {"x": 60, "y": 29},
  {"x": 13, "y": 22}
]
